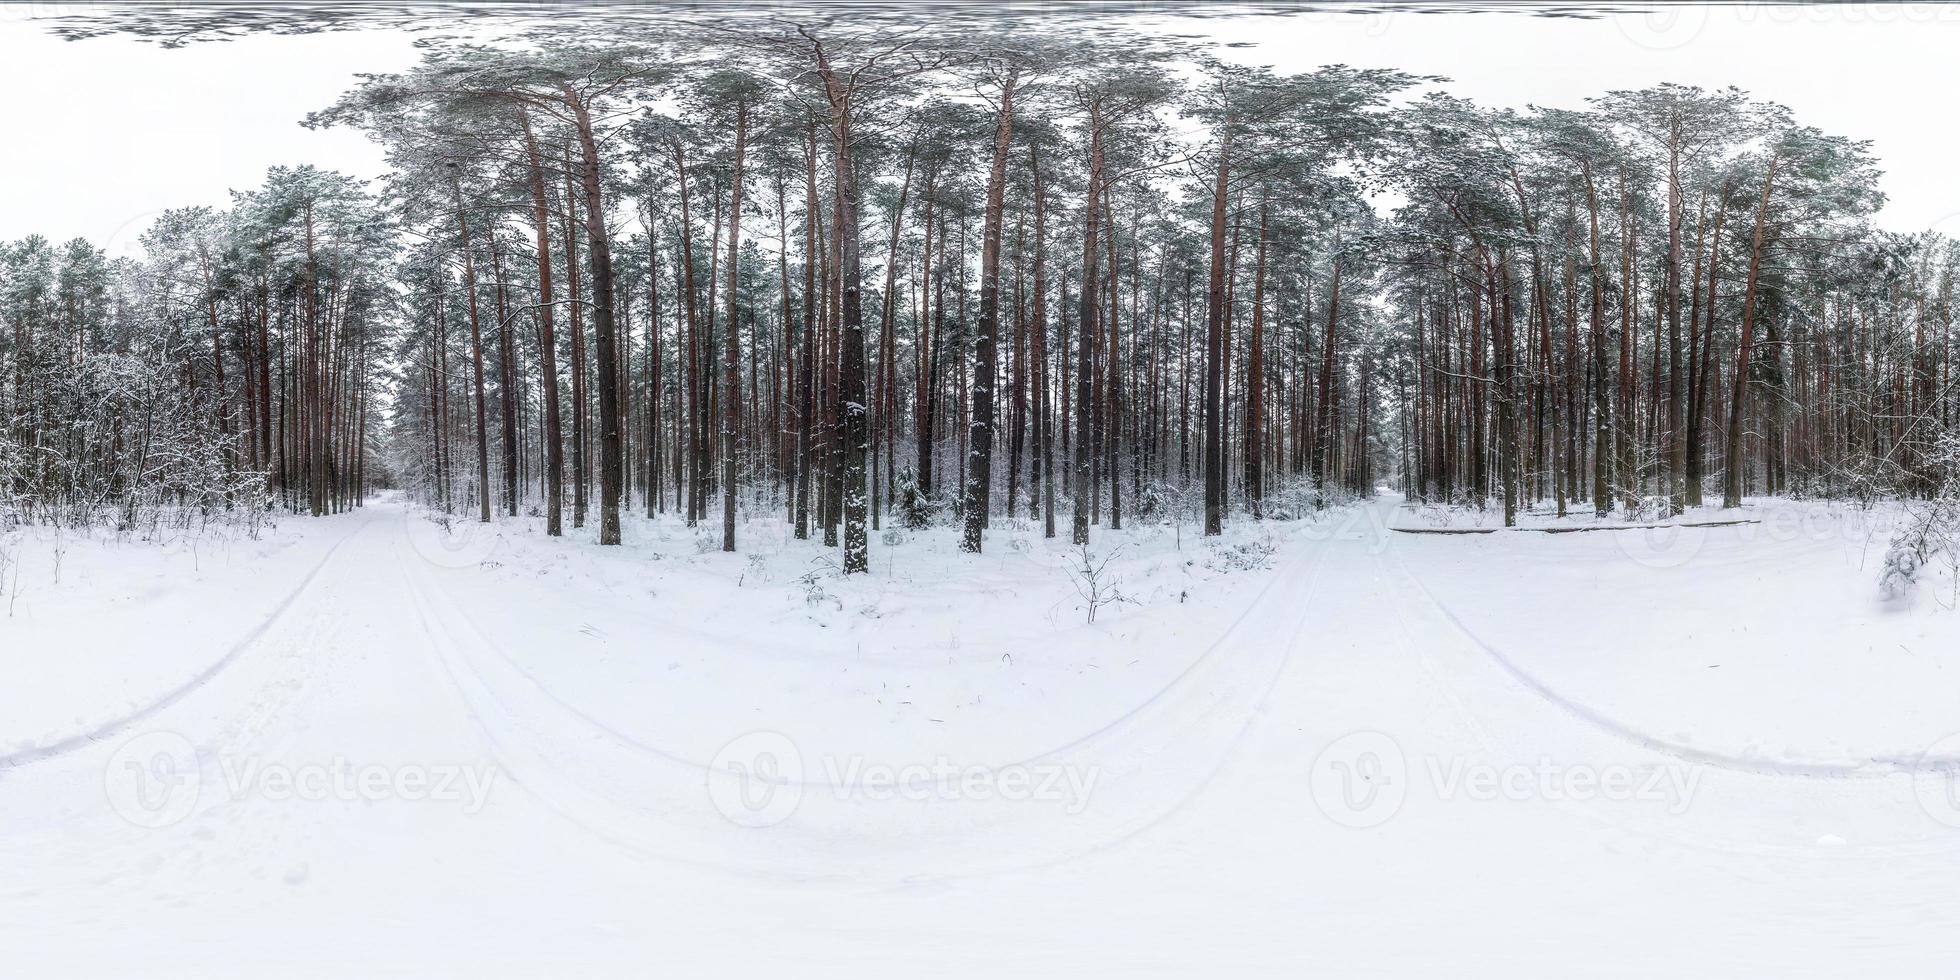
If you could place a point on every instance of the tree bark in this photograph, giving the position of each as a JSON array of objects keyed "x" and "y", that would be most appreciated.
[
  {"x": 598, "y": 249},
  {"x": 547, "y": 343},
  {"x": 1214, "y": 463},
  {"x": 1732, "y": 476},
  {"x": 986, "y": 341},
  {"x": 1255, "y": 378},
  {"x": 476, "y": 364},
  {"x": 850, "y": 396},
  {"x": 1085, "y": 481},
  {"x": 731, "y": 396}
]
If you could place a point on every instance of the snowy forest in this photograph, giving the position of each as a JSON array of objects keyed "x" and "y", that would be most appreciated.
[
  {"x": 952, "y": 491},
  {"x": 874, "y": 279}
]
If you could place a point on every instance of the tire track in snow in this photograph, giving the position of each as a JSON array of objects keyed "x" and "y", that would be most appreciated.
[
  {"x": 1181, "y": 679},
  {"x": 1718, "y": 837},
  {"x": 96, "y": 734},
  {"x": 496, "y": 723},
  {"x": 1202, "y": 722},
  {"x": 1874, "y": 767}
]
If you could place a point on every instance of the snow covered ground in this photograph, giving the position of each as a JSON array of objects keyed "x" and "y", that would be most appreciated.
[{"x": 368, "y": 745}]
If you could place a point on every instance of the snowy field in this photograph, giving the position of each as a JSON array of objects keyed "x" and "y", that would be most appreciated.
[{"x": 1328, "y": 747}]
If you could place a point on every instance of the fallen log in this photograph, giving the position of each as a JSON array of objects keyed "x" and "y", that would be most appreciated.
[{"x": 1568, "y": 530}]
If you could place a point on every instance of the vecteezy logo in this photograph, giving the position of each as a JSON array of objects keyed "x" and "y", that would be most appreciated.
[
  {"x": 756, "y": 780},
  {"x": 1936, "y": 781},
  {"x": 1360, "y": 780},
  {"x": 1662, "y": 27},
  {"x": 448, "y": 541},
  {"x": 1661, "y": 545},
  {"x": 152, "y": 780}
]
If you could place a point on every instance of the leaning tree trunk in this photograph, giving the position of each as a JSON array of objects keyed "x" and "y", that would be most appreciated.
[
  {"x": 554, "y": 441},
  {"x": 1732, "y": 475}
]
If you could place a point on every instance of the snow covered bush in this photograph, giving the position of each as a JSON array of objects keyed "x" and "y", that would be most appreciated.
[
  {"x": 119, "y": 441},
  {"x": 1093, "y": 580},
  {"x": 1167, "y": 502},
  {"x": 1647, "y": 508},
  {"x": 1931, "y": 528},
  {"x": 1293, "y": 501},
  {"x": 1868, "y": 478},
  {"x": 1152, "y": 503},
  {"x": 915, "y": 508},
  {"x": 1300, "y": 498},
  {"x": 1243, "y": 556},
  {"x": 814, "y": 593}
]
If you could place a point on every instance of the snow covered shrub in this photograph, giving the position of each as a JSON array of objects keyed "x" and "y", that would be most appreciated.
[
  {"x": 117, "y": 439},
  {"x": 1299, "y": 499},
  {"x": 814, "y": 594},
  {"x": 1434, "y": 514},
  {"x": 914, "y": 507},
  {"x": 1151, "y": 504},
  {"x": 1093, "y": 580},
  {"x": 1243, "y": 556},
  {"x": 1648, "y": 507},
  {"x": 1164, "y": 503},
  {"x": 1807, "y": 486},
  {"x": 1293, "y": 500},
  {"x": 1931, "y": 528},
  {"x": 1868, "y": 478},
  {"x": 13, "y": 470}
]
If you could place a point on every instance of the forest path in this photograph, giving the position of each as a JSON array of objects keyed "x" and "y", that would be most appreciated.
[
  {"x": 122, "y": 725},
  {"x": 1342, "y": 779},
  {"x": 325, "y": 798}
]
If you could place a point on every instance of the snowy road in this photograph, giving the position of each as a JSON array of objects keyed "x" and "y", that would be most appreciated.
[{"x": 1346, "y": 782}]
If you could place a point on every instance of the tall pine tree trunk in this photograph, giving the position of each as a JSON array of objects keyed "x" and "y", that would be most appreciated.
[
  {"x": 731, "y": 396},
  {"x": 1732, "y": 477},
  {"x": 547, "y": 343},
  {"x": 986, "y": 341},
  {"x": 598, "y": 247}
]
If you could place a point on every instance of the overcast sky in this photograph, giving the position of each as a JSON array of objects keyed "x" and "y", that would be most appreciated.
[{"x": 103, "y": 134}]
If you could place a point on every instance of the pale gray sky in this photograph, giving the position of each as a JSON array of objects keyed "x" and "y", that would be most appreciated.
[{"x": 104, "y": 133}]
